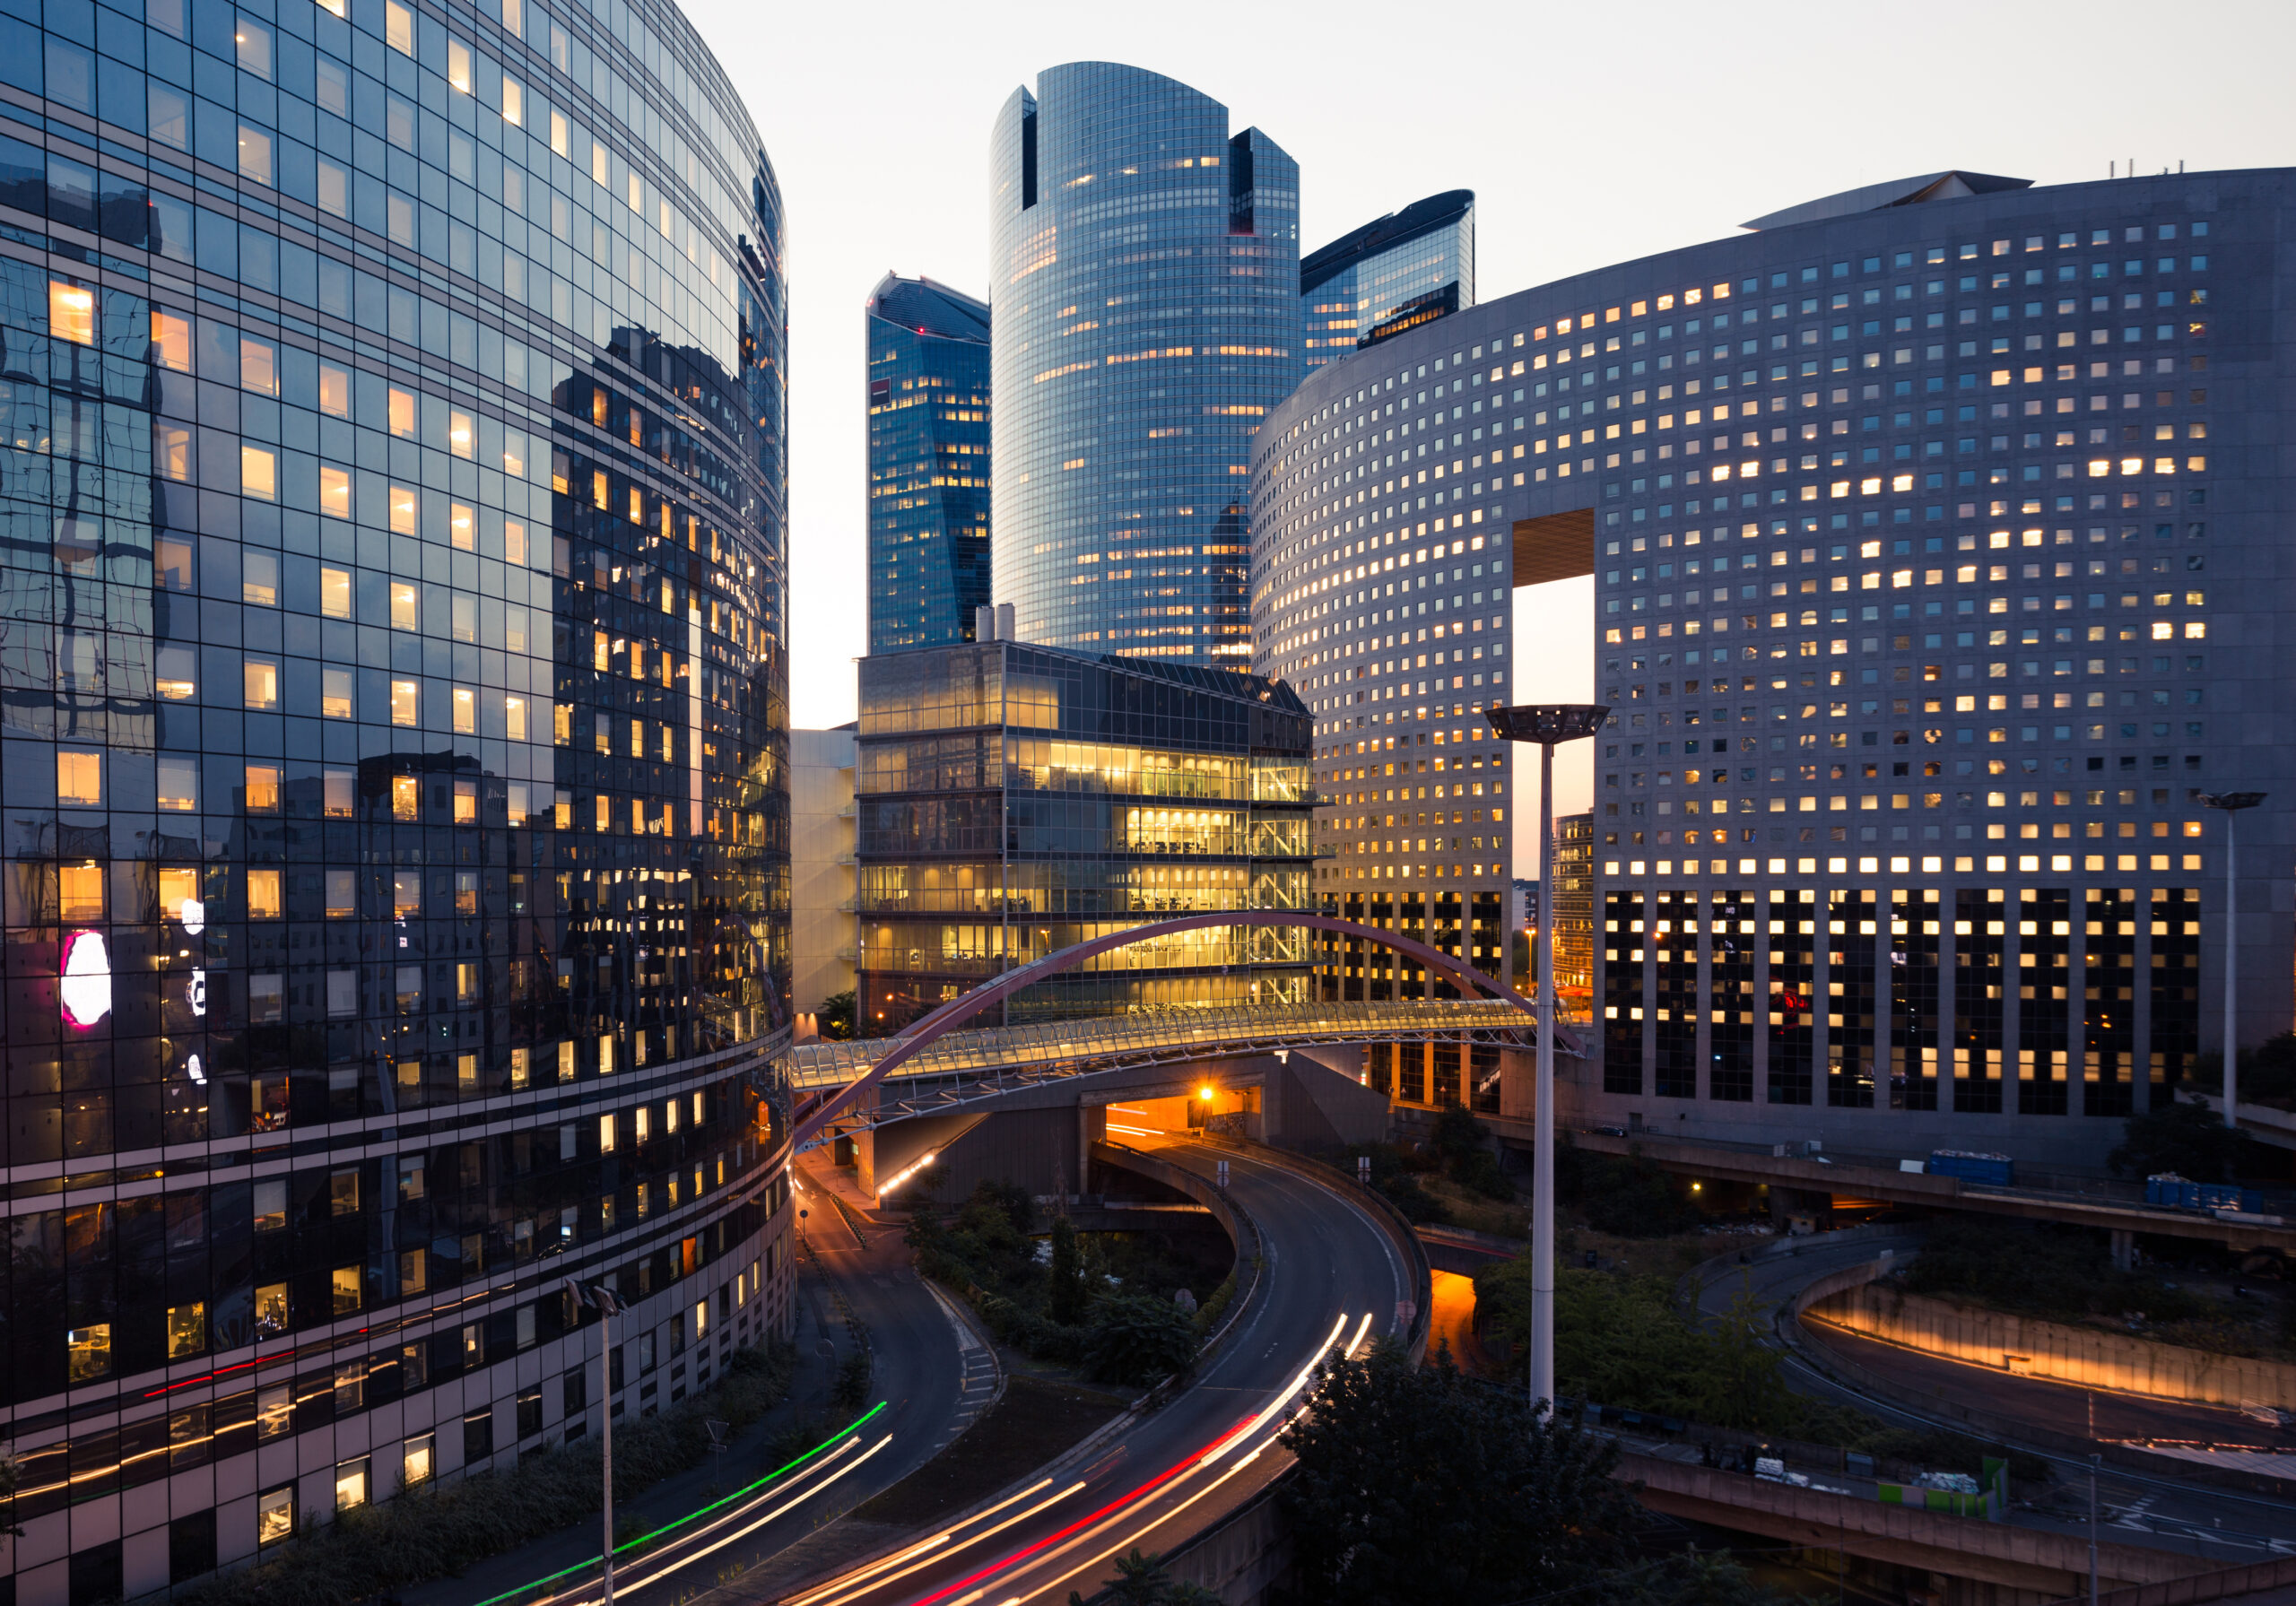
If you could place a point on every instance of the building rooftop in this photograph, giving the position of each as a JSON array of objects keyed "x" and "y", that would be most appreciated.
[
  {"x": 1421, "y": 217},
  {"x": 1897, "y": 192},
  {"x": 930, "y": 308}
]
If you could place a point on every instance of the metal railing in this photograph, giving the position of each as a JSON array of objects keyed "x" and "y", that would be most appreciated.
[{"x": 964, "y": 1067}]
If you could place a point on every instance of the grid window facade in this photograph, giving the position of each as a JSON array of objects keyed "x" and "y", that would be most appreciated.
[
  {"x": 393, "y": 637},
  {"x": 928, "y": 464},
  {"x": 1144, "y": 284},
  {"x": 1931, "y": 556}
]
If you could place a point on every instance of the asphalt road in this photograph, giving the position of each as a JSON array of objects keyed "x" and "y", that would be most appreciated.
[
  {"x": 932, "y": 1376},
  {"x": 2227, "y": 1526},
  {"x": 1333, "y": 1280}
]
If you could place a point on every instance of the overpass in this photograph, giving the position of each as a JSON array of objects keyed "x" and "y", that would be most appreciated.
[
  {"x": 958, "y": 1068},
  {"x": 840, "y": 1082},
  {"x": 1870, "y": 1177}
]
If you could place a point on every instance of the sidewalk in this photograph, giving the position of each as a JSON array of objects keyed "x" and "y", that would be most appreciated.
[{"x": 821, "y": 1340}]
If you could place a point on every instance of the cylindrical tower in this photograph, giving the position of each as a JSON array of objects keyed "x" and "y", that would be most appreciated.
[
  {"x": 1144, "y": 274},
  {"x": 396, "y": 853}
]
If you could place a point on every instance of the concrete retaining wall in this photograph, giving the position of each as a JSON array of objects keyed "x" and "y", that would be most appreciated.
[{"x": 2082, "y": 1356}]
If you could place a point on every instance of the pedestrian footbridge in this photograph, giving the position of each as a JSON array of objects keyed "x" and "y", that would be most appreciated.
[
  {"x": 938, "y": 1065},
  {"x": 965, "y": 1067}
]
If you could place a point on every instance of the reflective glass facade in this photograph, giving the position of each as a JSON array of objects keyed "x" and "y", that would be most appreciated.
[
  {"x": 393, "y": 849},
  {"x": 1933, "y": 534},
  {"x": 928, "y": 464},
  {"x": 1144, "y": 272},
  {"x": 1406, "y": 269},
  {"x": 1016, "y": 801}
]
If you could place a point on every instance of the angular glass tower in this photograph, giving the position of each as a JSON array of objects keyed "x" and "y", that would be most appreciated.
[
  {"x": 1144, "y": 274},
  {"x": 1406, "y": 269},
  {"x": 393, "y": 847},
  {"x": 928, "y": 464}
]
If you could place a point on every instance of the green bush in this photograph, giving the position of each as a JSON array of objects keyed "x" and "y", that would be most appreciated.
[
  {"x": 436, "y": 1530},
  {"x": 1622, "y": 1196},
  {"x": 1622, "y": 1341},
  {"x": 851, "y": 1392},
  {"x": 1419, "y": 1207},
  {"x": 2185, "y": 1137},
  {"x": 2060, "y": 1274},
  {"x": 1139, "y": 1338},
  {"x": 1105, "y": 1304}
]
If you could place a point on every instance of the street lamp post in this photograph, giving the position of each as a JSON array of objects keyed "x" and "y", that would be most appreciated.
[
  {"x": 600, "y": 1299},
  {"x": 1549, "y": 725},
  {"x": 2230, "y": 804}
]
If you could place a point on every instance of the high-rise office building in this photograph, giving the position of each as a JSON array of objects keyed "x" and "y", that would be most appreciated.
[
  {"x": 1931, "y": 528},
  {"x": 1571, "y": 912},
  {"x": 821, "y": 870},
  {"x": 1144, "y": 274},
  {"x": 929, "y": 463},
  {"x": 1405, "y": 269},
  {"x": 394, "y": 843},
  {"x": 1016, "y": 800}
]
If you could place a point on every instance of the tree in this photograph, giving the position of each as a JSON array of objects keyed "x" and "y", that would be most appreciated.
[
  {"x": 1066, "y": 1301},
  {"x": 836, "y": 1015},
  {"x": 1419, "y": 1485},
  {"x": 1141, "y": 1581},
  {"x": 2185, "y": 1137},
  {"x": 1620, "y": 1341},
  {"x": 1687, "y": 1578},
  {"x": 1465, "y": 1144},
  {"x": 1137, "y": 1337}
]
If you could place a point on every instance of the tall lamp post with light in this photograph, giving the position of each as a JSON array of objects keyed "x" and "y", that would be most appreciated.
[
  {"x": 2230, "y": 804},
  {"x": 1549, "y": 724}
]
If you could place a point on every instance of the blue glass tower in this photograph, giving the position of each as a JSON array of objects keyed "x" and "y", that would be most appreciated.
[
  {"x": 1144, "y": 274},
  {"x": 392, "y": 735},
  {"x": 1407, "y": 268},
  {"x": 928, "y": 464}
]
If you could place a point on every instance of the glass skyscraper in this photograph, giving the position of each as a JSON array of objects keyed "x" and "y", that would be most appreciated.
[
  {"x": 1144, "y": 274},
  {"x": 929, "y": 463},
  {"x": 393, "y": 847},
  {"x": 1016, "y": 801},
  {"x": 1408, "y": 268}
]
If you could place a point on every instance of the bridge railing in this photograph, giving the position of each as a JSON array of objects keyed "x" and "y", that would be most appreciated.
[{"x": 821, "y": 1065}]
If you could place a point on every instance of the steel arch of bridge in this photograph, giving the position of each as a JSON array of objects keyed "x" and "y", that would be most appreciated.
[{"x": 929, "y": 1028}]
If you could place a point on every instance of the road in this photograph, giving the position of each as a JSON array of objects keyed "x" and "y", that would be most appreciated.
[
  {"x": 2227, "y": 1526},
  {"x": 933, "y": 1376},
  {"x": 1333, "y": 1280}
]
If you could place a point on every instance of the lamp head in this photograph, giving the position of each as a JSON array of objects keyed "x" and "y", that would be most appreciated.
[
  {"x": 2230, "y": 801},
  {"x": 1547, "y": 723}
]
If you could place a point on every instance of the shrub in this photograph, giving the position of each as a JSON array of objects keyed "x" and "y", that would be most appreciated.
[
  {"x": 2056, "y": 1273},
  {"x": 1622, "y": 1196},
  {"x": 1137, "y": 1339},
  {"x": 2185, "y": 1137}
]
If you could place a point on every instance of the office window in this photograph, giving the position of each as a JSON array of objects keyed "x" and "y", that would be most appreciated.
[{"x": 79, "y": 777}]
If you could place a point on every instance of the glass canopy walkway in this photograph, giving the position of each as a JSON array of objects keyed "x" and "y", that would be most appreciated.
[{"x": 964, "y": 1067}]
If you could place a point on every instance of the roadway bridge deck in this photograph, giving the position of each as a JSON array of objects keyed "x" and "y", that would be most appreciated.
[{"x": 1723, "y": 1162}]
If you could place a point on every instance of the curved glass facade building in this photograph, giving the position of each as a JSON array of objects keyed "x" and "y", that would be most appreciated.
[
  {"x": 929, "y": 463},
  {"x": 1144, "y": 278},
  {"x": 392, "y": 627},
  {"x": 1933, "y": 533},
  {"x": 1396, "y": 273}
]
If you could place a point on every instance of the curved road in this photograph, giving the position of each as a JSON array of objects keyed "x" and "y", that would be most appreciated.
[
  {"x": 2227, "y": 1526},
  {"x": 933, "y": 1376},
  {"x": 1333, "y": 1280}
]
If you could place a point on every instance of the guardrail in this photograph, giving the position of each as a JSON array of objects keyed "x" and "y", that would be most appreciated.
[{"x": 1399, "y": 1227}]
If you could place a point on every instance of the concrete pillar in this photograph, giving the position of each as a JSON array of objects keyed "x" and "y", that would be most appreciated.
[{"x": 2124, "y": 1249}]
